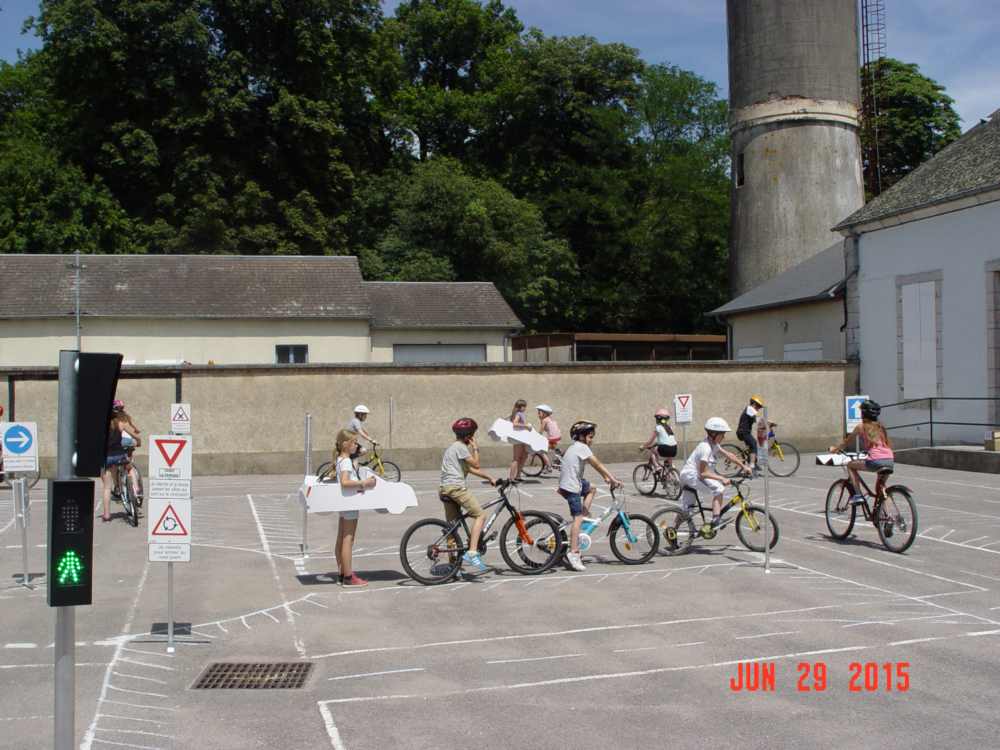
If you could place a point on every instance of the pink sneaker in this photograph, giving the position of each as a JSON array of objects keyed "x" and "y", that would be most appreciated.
[{"x": 353, "y": 580}]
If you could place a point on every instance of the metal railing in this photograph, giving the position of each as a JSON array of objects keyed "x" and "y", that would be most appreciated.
[{"x": 930, "y": 422}]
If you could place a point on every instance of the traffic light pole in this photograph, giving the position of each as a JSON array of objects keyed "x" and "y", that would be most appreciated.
[{"x": 65, "y": 636}]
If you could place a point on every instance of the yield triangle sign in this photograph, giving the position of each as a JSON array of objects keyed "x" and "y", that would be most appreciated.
[
  {"x": 683, "y": 401},
  {"x": 170, "y": 449},
  {"x": 180, "y": 415},
  {"x": 170, "y": 524}
]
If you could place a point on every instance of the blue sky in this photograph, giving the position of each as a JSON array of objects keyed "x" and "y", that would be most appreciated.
[{"x": 951, "y": 40}]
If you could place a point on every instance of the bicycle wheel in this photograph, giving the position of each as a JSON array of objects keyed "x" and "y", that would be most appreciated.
[
  {"x": 754, "y": 540},
  {"x": 644, "y": 479},
  {"x": 783, "y": 459},
  {"x": 676, "y": 531},
  {"x": 726, "y": 467},
  {"x": 647, "y": 540},
  {"x": 323, "y": 469},
  {"x": 670, "y": 480},
  {"x": 138, "y": 484},
  {"x": 431, "y": 551},
  {"x": 897, "y": 520},
  {"x": 541, "y": 553},
  {"x": 128, "y": 499},
  {"x": 390, "y": 471},
  {"x": 839, "y": 510},
  {"x": 533, "y": 466}
]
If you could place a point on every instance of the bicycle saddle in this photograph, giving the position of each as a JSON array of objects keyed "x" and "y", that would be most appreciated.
[{"x": 885, "y": 470}]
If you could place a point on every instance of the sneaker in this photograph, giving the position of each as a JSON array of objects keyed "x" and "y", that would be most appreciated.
[
  {"x": 857, "y": 499},
  {"x": 475, "y": 562},
  {"x": 573, "y": 558},
  {"x": 353, "y": 580}
]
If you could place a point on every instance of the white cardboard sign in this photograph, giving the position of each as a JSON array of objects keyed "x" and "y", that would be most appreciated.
[
  {"x": 503, "y": 430},
  {"x": 180, "y": 419},
  {"x": 169, "y": 521},
  {"x": 328, "y": 497},
  {"x": 19, "y": 445},
  {"x": 170, "y": 457},
  {"x": 683, "y": 408}
]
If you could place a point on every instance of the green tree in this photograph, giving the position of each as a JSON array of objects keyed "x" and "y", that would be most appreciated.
[
  {"x": 448, "y": 225},
  {"x": 916, "y": 118}
]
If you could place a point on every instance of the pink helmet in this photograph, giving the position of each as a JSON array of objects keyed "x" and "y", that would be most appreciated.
[
  {"x": 662, "y": 413},
  {"x": 117, "y": 405}
]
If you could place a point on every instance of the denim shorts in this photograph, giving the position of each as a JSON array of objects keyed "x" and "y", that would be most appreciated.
[
  {"x": 879, "y": 463},
  {"x": 113, "y": 459},
  {"x": 575, "y": 499}
]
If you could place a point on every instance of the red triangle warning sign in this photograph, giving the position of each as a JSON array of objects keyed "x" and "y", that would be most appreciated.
[
  {"x": 176, "y": 445},
  {"x": 683, "y": 401},
  {"x": 180, "y": 415},
  {"x": 170, "y": 524}
]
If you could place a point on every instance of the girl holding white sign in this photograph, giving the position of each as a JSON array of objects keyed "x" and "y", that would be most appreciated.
[{"x": 347, "y": 475}]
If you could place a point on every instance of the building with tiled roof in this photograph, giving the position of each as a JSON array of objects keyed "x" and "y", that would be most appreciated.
[{"x": 225, "y": 309}]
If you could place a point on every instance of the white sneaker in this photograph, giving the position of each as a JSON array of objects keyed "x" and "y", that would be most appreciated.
[{"x": 573, "y": 558}]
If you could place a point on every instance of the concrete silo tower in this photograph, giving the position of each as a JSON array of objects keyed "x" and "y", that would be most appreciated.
[{"x": 794, "y": 99}]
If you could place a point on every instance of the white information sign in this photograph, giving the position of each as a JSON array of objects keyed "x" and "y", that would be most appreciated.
[
  {"x": 19, "y": 442},
  {"x": 169, "y": 521},
  {"x": 852, "y": 412},
  {"x": 171, "y": 489},
  {"x": 169, "y": 553},
  {"x": 170, "y": 457},
  {"x": 180, "y": 419},
  {"x": 683, "y": 408}
]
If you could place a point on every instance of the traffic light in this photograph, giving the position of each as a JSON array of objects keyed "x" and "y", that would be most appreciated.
[
  {"x": 71, "y": 542},
  {"x": 97, "y": 381}
]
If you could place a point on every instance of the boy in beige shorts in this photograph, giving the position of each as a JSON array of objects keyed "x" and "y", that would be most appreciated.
[{"x": 459, "y": 459}]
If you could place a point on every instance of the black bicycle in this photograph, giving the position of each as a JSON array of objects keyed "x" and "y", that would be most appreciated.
[
  {"x": 431, "y": 549},
  {"x": 122, "y": 490}
]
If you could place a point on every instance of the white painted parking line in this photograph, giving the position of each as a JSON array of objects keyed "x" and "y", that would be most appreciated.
[
  {"x": 377, "y": 674},
  {"x": 534, "y": 658},
  {"x": 764, "y": 635}
]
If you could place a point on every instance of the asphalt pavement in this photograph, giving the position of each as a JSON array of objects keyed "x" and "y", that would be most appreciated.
[{"x": 867, "y": 648}]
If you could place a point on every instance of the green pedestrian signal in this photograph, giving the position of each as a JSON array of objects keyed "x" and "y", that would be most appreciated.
[
  {"x": 69, "y": 570},
  {"x": 71, "y": 542}
]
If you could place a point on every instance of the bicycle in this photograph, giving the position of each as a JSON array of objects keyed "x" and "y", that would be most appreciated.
[
  {"x": 115, "y": 491},
  {"x": 122, "y": 488},
  {"x": 648, "y": 475},
  {"x": 535, "y": 465},
  {"x": 782, "y": 458},
  {"x": 431, "y": 549},
  {"x": 678, "y": 531},
  {"x": 385, "y": 469},
  {"x": 634, "y": 537},
  {"x": 894, "y": 514}
]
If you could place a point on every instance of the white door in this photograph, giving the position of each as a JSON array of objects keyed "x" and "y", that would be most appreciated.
[
  {"x": 438, "y": 353},
  {"x": 805, "y": 352}
]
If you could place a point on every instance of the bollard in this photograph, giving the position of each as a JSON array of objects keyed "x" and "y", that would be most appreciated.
[{"x": 22, "y": 510}]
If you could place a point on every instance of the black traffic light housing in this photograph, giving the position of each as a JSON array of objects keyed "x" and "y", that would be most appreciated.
[
  {"x": 71, "y": 542},
  {"x": 97, "y": 381}
]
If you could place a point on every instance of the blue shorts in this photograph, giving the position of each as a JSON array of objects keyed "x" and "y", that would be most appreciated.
[
  {"x": 575, "y": 499},
  {"x": 879, "y": 463},
  {"x": 114, "y": 459}
]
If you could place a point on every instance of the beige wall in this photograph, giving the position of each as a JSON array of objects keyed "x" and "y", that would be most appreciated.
[
  {"x": 37, "y": 342},
  {"x": 383, "y": 340},
  {"x": 819, "y": 321},
  {"x": 251, "y": 419}
]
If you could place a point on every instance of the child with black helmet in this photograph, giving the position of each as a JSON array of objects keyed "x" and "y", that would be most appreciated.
[
  {"x": 578, "y": 491},
  {"x": 874, "y": 441},
  {"x": 459, "y": 459}
]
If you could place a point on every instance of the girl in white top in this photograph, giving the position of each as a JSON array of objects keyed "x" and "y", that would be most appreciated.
[
  {"x": 347, "y": 475},
  {"x": 699, "y": 470},
  {"x": 520, "y": 422}
]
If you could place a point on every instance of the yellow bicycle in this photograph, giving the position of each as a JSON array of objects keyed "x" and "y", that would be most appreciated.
[{"x": 386, "y": 469}]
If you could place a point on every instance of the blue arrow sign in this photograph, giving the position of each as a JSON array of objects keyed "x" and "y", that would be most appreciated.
[
  {"x": 856, "y": 409},
  {"x": 17, "y": 439}
]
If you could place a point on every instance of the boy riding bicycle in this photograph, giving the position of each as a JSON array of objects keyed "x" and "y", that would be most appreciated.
[
  {"x": 745, "y": 428},
  {"x": 357, "y": 425},
  {"x": 699, "y": 472},
  {"x": 460, "y": 459}
]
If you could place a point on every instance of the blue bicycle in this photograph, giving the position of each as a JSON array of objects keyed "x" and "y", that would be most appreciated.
[{"x": 634, "y": 537}]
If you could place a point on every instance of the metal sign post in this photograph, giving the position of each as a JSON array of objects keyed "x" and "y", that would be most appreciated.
[
  {"x": 763, "y": 429},
  {"x": 22, "y": 509},
  {"x": 305, "y": 514},
  {"x": 64, "y": 714}
]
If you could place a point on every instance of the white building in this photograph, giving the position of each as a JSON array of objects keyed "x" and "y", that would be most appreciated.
[
  {"x": 924, "y": 292},
  {"x": 226, "y": 309}
]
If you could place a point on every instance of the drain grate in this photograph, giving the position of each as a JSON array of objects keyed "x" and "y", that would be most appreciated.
[{"x": 254, "y": 676}]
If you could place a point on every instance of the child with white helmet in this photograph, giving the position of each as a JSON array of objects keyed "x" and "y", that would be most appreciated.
[
  {"x": 699, "y": 472},
  {"x": 356, "y": 424}
]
